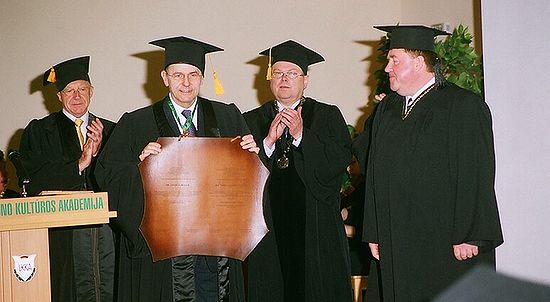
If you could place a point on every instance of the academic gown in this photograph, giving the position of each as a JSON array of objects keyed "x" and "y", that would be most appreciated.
[
  {"x": 81, "y": 258},
  {"x": 354, "y": 201},
  {"x": 304, "y": 256},
  {"x": 430, "y": 185},
  {"x": 141, "y": 279}
]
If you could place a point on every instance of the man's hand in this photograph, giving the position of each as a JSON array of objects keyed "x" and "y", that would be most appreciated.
[
  {"x": 344, "y": 213},
  {"x": 379, "y": 97},
  {"x": 151, "y": 148},
  {"x": 465, "y": 251},
  {"x": 275, "y": 130},
  {"x": 374, "y": 250},
  {"x": 95, "y": 133},
  {"x": 293, "y": 120},
  {"x": 248, "y": 143},
  {"x": 87, "y": 154}
]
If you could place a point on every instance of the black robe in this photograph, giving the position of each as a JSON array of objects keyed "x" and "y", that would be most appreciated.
[
  {"x": 141, "y": 279},
  {"x": 353, "y": 199},
  {"x": 11, "y": 194},
  {"x": 430, "y": 185},
  {"x": 81, "y": 258},
  {"x": 304, "y": 256}
]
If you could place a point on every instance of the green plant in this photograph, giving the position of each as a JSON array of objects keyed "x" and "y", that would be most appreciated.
[
  {"x": 460, "y": 63},
  {"x": 381, "y": 76}
]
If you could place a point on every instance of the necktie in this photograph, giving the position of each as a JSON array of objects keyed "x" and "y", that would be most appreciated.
[
  {"x": 409, "y": 101},
  {"x": 191, "y": 131},
  {"x": 78, "y": 122}
]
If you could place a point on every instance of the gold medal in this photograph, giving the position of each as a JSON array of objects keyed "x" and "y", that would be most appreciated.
[{"x": 282, "y": 162}]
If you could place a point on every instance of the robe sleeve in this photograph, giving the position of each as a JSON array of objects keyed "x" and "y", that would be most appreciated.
[
  {"x": 253, "y": 120},
  {"x": 361, "y": 143},
  {"x": 472, "y": 162},
  {"x": 370, "y": 223},
  {"x": 47, "y": 170},
  {"x": 117, "y": 172},
  {"x": 238, "y": 120},
  {"x": 324, "y": 155}
]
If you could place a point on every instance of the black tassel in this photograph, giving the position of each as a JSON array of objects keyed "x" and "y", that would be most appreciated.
[{"x": 440, "y": 80}]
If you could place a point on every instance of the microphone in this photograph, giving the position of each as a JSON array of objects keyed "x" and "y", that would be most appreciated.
[{"x": 15, "y": 158}]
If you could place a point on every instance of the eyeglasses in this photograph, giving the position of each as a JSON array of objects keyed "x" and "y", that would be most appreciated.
[
  {"x": 192, "y": 76},
  {"x": 72, "y": 91},
  {"x": 289, "y": 74}
]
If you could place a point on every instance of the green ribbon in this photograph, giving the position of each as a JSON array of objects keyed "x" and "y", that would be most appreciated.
[{"x": 185, "y": 127}]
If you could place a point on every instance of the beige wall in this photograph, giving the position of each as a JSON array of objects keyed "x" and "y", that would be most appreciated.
[
  {"x": 437, "y": 11},
  {"x": 465, "y": 12},
  {"x": 518, "y": 95},
  {"x": 124, "y": 69}
]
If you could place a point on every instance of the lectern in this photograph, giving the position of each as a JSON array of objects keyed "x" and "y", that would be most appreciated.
[{"x": 24, "y": 251}]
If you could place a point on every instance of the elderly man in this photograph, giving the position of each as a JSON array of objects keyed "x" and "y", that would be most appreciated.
[
  {"x": 181, "y": 112},
  {"x": 431, "y": 211},
  {"x": 58, "y": 151},
  {"x": 306, "y": 146}
]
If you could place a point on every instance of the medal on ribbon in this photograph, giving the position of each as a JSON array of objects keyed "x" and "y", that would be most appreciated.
[{"x": 286, "y": 140}]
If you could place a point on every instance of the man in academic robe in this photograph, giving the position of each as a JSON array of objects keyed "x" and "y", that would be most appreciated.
[
  {"x": 181, "y": 112},
  {"x": 306, "y": 146},
  {"x": 59, "y": 153},
  {"x": 431, "y": 212}
]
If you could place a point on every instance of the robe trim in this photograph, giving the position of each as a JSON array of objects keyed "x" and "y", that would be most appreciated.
[{"x": 408, "y": 109}]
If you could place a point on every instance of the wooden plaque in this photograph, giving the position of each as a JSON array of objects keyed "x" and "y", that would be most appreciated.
[{"x": 203, "y": 196}]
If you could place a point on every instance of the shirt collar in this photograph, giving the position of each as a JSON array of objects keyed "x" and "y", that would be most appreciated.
[
  {"x": 179, "y": 108},
  {"x": 428, "y": 84},
  {"x": 281, "y": 106},
  {"x": 84, "y": 118},
  {"x": 179, "y": 111}
]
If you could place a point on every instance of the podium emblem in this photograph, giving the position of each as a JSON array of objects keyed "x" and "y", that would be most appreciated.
[{"x": 23, "y": 267}]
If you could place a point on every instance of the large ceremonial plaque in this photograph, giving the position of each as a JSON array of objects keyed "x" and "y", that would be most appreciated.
[{"x": 203, "y": 196}]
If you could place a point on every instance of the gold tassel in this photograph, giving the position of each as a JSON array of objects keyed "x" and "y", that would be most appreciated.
[
  {"x": 51, "y": 76},
  {"x": 218, "y": 88},
  {"x": 268, "y": 75}
]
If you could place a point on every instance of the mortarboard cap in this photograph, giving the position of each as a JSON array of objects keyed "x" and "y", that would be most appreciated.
[
  {"x": 294, "y": 52},
  {"x": 185, "y": 50},
  {"x": 417, "y": 37},
  {"x": 68, "y": 71}
]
